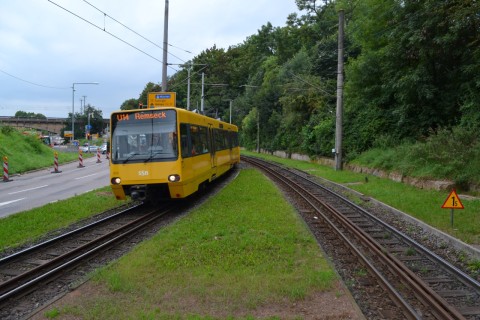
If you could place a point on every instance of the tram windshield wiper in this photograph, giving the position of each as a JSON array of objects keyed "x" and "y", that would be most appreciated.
[
  {"x": 131, "y": 156},
  {"x": 154, "y": 154}
]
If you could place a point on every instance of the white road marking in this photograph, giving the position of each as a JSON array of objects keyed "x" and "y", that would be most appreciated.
[
  {"x": 90, "y": 175},
  {"x": 8, "y": 202},
  {"x": 29, "y": 189}
]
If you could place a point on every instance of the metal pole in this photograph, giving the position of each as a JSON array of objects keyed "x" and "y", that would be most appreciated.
[
  {"x": 451, "y": 218},
  {"x": 88, "y": 125},
  {"x": 231, "y": 110},
  {"x": 188, "y": 88},
  {"x": 165, "y": 51},
  {"x": 73, "y": 112},
  {"x": 73, "y": 105},
  {"x": 339, "y": 114},
  {"x": 203, "y": 90}
]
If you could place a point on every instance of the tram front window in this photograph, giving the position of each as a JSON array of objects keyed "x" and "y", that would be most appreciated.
[{"x": 144, "y": 136}]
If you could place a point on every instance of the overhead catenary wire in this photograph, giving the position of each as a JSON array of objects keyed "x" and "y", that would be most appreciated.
[
  {"x": 32, "y": 83},
  {"x": 135, "y": 32},
  {"x": 104, "y": 30}
]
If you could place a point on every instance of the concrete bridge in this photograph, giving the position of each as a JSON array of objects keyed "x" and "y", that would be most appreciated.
[{"x": 52, "y": 125}]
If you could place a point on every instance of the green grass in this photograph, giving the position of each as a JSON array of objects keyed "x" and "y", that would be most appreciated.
[
  {"x": 445, "y": 154},
  {"x": 424, "y": 205},
  {"x": 243, "y": 248},
  {"x": 30, "y": 225},
  {"x": 27, "y": 152}
]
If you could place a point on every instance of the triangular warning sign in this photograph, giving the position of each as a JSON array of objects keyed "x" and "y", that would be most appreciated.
[{"x": 452, "y": 201}]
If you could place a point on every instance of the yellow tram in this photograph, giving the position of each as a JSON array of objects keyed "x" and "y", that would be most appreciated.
[{"x": 167, "y": 152}]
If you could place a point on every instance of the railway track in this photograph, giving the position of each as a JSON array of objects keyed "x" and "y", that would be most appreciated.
[
  {"x": 30, "y": 270},
  {"x": 418, "y": 283}
]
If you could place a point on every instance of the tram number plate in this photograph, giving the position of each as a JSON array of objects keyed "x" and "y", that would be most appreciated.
[{"x": 143, "y": 173}]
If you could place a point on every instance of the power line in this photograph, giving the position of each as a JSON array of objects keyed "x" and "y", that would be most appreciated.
[
  {"x": 33, "y": 83},
  {"x": 109, "y": 33},
  {"x": 135, "y": 32}
]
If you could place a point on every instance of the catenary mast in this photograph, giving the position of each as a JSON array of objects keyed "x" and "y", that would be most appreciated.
[{"x": 165, "y": 44}]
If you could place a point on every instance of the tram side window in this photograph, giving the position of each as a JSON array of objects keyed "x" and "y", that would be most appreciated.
[
  {"x": 184, "y": 140},
  {"x": 220, "y": 140},
  {"x": 199, "y": 138},
  {"x": 234, "y": 139},
  {"x": 203, "y": 133},
  {"x": 195, "y": 137}
]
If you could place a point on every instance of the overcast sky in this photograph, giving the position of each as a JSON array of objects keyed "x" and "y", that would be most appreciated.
[{"x": 44, "y": 49}]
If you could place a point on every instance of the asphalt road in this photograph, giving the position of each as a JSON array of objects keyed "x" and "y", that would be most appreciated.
[{"x": 38, "y": 188}]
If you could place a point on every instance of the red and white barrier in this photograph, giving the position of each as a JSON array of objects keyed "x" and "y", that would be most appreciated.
[
  {"x": 80, "y": 159},
  {"x": 98, "y": 156},
  {"x": 5, "y": 169},
  {"x": 55, "y": 163}
]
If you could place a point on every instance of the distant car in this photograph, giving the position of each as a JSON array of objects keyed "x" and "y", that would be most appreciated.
[
  {"x": 88, "y": 148},
  {"x": 83, "y": 148},
  {"x": 103, "y": 148}
]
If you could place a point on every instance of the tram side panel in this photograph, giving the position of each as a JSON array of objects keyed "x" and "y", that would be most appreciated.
[{"x": 196, "y": 162}]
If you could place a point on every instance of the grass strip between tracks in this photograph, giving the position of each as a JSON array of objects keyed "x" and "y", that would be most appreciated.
[
  {"x": 28, "y": 226},
  {"x": 243, "y": 248}
]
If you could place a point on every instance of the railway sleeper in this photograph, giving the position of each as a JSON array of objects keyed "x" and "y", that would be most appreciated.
[
  {"x": 455, "y": 294},
  {"x": 469, "y": 311}
]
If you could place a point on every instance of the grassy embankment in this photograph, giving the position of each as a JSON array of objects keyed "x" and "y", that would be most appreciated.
[
  {"x": 444, "y": 154},
  {"x": 27, "y": 152}
]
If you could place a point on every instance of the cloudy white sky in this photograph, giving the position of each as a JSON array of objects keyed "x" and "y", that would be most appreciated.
[{"x": 45, "y": 49}]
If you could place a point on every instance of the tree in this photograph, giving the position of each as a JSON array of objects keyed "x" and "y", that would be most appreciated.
[
  {"x": 23, "y": 114},
  {"x": 150, "y": 87},
  {"x": 129, "y": 104},
  {"x": 417, "y": 71},
  {"x": 82, "y": 120}
]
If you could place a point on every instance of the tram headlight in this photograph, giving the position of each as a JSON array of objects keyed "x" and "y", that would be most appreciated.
[
  {"x": 174, "y": 178},
  {"x": 116, "y": 180}
]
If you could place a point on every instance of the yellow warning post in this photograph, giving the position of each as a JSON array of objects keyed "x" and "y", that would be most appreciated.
[{"x": 452, "y": 202}]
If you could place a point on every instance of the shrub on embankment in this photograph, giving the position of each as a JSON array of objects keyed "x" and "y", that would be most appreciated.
[
  {"x": 26, "y": 152},
  {"x": 444, "y": 155},
  {"x": 447, "y": 158}
]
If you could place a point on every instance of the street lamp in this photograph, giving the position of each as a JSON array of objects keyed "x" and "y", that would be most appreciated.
[{"x": 73, "y": 105}]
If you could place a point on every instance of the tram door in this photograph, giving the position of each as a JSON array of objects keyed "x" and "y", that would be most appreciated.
[{"x": 211, "y": 139}]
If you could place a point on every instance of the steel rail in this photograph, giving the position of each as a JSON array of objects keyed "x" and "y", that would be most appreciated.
[
  {"x": 25, "y": 280},
  {"x": 65, "y": 235},
  {"x": 462, "y": 276},
  {"x": 441, "y": 308},
  {"x": 408, "y": 311}
]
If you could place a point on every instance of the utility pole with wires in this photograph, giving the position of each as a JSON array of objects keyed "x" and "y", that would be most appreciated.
[
  {"x": 339, "y": 114},
  {"x": 165, "y": 51},
  {"x": 189, "y": 67}
]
